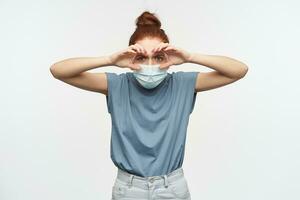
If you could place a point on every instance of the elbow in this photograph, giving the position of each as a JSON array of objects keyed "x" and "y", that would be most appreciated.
[
  {"x": 242, "y": 72},
  {"x": 245, "y": 70},
  {"x": 54, "y": 72}
]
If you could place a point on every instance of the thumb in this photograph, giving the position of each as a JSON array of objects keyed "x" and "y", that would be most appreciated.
[
  {"x": 165, "y": 65},
  {"x": 134, "y": 67}
]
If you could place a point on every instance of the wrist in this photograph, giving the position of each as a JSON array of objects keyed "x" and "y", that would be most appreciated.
[
  {"x": 195, "y": 57},
  {"x": 109, "y": 60},
  {"x": 190, "y": 58}
]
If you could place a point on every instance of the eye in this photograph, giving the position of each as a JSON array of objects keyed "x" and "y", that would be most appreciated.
[
  {"x": 160, "y": 58},
  {"x": 140, "y": 58}
]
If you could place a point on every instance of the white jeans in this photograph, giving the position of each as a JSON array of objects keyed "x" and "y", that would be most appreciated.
[{"x": 172, "y": 186}]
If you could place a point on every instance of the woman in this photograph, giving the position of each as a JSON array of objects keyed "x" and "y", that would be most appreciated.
[{"x": 149, "y": 107}]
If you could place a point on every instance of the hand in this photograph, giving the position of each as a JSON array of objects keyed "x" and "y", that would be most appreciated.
[
  {"x": 124, "y": 57},
  {"x": 176, "y": 56}
]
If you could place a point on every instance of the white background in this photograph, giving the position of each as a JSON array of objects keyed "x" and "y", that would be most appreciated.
[{"x": 243, "y": 138}]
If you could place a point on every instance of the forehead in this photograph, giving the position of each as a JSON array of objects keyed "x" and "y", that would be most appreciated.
[{"x": 149, "y": 44}]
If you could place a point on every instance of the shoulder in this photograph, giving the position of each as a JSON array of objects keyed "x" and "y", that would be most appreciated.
[
  {"x": 115, "y": 80},
  {"x": 185, "y": 75},
  {"x": 114, "y": 75}
]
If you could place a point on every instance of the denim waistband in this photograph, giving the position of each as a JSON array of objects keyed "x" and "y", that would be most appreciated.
[{"x": 150, "y": 181}]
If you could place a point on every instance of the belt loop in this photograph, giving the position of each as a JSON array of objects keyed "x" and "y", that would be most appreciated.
[
  {"x": 130, "y": 180},
  {"x": 166, "y": 181}
]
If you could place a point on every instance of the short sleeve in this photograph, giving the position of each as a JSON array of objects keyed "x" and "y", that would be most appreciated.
[
  {"x": 114, "y": 88},
  {"x": 186, "y": 88}
]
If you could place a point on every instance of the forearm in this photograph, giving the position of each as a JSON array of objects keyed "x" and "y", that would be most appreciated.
[
  {"x": 74, "y": 66},
  {"x": 228, "y": 66}
]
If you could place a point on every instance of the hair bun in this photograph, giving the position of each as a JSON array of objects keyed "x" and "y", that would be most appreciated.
[
  {"x": 148, "y": 19},
  {"x": 148, "y": 26}
]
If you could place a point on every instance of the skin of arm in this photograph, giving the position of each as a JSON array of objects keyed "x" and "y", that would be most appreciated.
[
  {"x": 73, "y": 71},
  {"x": 74, "y": 66},
  {"x": 227, "y": 70},
  {"x": 229, "y": 67}
]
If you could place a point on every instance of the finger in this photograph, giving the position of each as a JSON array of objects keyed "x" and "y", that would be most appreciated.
[
  {"x": 138, "y": 68},
  {"x": 169, "y": 48},
  {"x": 143, "y": 50},
  {"x": 155, "y": 48},
  {"x": 166, "y": 56},
  {"x": 131, "y": 47},
  {"x": 133, "y": 59},
  {"x": 165, "y": 65},
  {"x": 138, "y": 48},
  {"x": 134, "y": 67},
  {"x": 131, "y": 51},
  {"x": 164, "y": 45},
  {"x": 134, "y": 48}
]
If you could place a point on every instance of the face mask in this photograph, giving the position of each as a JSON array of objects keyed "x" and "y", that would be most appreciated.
[{"x": 149, "y": 76}]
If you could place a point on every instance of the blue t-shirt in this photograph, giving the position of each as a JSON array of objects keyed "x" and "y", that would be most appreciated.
[{"x": 149, "y": 125}]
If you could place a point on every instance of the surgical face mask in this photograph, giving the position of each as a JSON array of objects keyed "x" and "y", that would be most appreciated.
[{"x": 149, "y": 76}]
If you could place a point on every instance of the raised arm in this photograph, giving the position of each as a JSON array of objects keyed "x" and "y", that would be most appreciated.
[
  {"x": 73, "y": 71},
  {"x": 227, "y": 70}
]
